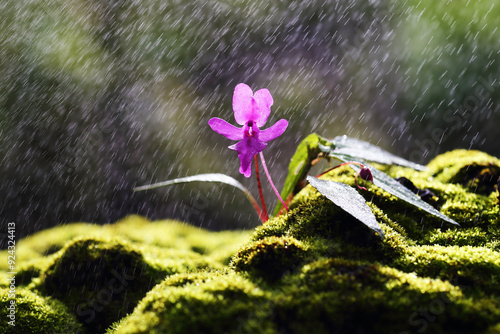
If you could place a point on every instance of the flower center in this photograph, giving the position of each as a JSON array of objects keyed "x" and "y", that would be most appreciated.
[{"x": 249, "y": 131}]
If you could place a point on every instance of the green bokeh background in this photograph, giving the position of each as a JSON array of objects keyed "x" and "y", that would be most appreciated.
[{"x": 99, "y": 96}]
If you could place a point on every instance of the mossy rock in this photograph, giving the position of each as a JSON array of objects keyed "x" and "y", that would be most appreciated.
[
  {"x": 318, "y": 269},
  {"x": 216, "y": 302},
  {"x": 35, "y": 314},
  {"x": 477, "y": 171},
  {"x": 165, "y": 234},
  {"x": 270, "y": 257},
  {"x": 109, "y": 275},
  {"x": 315, "y": 268},
  {"x": 325, "y": 296},
  {"x": 100, "y": 273},
  {"x": 336, "y": 295}
]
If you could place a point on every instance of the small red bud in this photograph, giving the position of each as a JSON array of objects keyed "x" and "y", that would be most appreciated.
[{"x": 366, "y": 174}]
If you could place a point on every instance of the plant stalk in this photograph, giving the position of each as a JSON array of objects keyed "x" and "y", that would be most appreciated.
[
  {"x": 271, "y": 181},
  {"x": 261, "y": 194}
]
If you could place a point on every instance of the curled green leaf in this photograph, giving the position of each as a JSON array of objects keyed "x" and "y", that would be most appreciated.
[{"x": 301, "y": 162}]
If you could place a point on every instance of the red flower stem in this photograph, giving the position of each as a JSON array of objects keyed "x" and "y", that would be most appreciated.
[
  {"x": 270, "y": 180},
  {"x": 255, "y": 206},
  {"x": 261, "y": 194},
  {"x": 259, "y": 211},
  {"x": 343, "y": 164}
]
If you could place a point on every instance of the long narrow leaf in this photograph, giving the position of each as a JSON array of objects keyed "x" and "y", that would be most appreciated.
[{"x": 210, "y": 177}]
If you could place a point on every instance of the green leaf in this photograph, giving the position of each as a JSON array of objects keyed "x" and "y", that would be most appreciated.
[
  {"x": 349, "y": 200},
  {"x": 348, "y": 149},
  {"x": 306, "y": 152},
  {"x": 210, "y": 177},
  {"x": 368, "y": 152},
  {"x": 393, "y": 187},
  {"x": 313, "y": 145}
]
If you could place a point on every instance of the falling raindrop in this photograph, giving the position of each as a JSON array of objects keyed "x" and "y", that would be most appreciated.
[{"x": 97, "y": 97}]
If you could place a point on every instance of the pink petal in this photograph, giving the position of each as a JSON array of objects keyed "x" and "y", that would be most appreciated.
[
  {"x": 274, "y": 131},
  {"x": 224, "y": 128},
  {"x": 264, "y": 102},
  {"x": 242, "y": 103},
  {"x": 247, "y": 149}
]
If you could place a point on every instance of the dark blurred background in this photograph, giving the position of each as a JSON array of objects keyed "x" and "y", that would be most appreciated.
[{"x": 99, "y": 96}]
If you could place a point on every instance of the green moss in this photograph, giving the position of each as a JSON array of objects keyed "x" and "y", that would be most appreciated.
[
  {"x": 462, "y": 166},
  {"x": 98, "y": 280},
  {"x": 112, "y": 275},
  {"x": 138, "y": 230},
  {"x": 270, "y": 257},
  {"x": 468, "y": 266},
  {"x": 36, "y": 314},
  {"x": 473, "y": 236},
  {"x": 315, "y": 267},
  {"x": 216, "y": 302},
  {"x": 326, "y": 295},
  {"x": 323, "y": 227},
  {"x": 494, "y": 329},
  {"x": 416, "y": 243},
  {"x": 334, "y": 295},
  {"x": 101, "y": 279}
]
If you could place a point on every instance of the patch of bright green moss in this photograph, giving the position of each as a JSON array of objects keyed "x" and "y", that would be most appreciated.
[
  {"x": 99, "y": 280},
  {"x": 100, "y": 273},
  {"x": 36, "y": 314},
  {"x": 270, "y": 257},
  {"x": 327, "y": 295},
  {"x": 213, "y": 302},
  {"x": 461, "y": 166},
  {"x": 165, "y": 234},
  {"x": 468, "y": 266},
  {"x": 336, "y": 295}
]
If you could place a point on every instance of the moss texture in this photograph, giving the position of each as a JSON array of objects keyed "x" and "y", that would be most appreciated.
[
  {"x": 100, "y": 273},
  {"x": 315, "y": 269},
  {"x": 36, "y": 314}
]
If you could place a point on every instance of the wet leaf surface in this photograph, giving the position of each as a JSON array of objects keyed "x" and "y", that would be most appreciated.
[{"x": 348, "y": 199}]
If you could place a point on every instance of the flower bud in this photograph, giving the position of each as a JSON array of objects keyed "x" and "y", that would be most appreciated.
[{"x": 366, "y": 174}]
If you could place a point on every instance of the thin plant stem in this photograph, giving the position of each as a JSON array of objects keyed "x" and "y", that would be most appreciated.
[
  {"x": 344, "y": 164},
  {"x": 271, "y": 181},
  {"x": 262, "y": 217},
  {"x": 261, "y": 194}
]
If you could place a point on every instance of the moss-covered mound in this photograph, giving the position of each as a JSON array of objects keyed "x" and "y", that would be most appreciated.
[
  {"x": 88, "y": 276},
  {"x": 315, "y": 269},
  {"x": 110, "y": 274},
  {"x": 35, "y": 314}
]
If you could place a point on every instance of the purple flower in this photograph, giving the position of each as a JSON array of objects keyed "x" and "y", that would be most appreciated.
[{"x": 251, "y": 111}]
